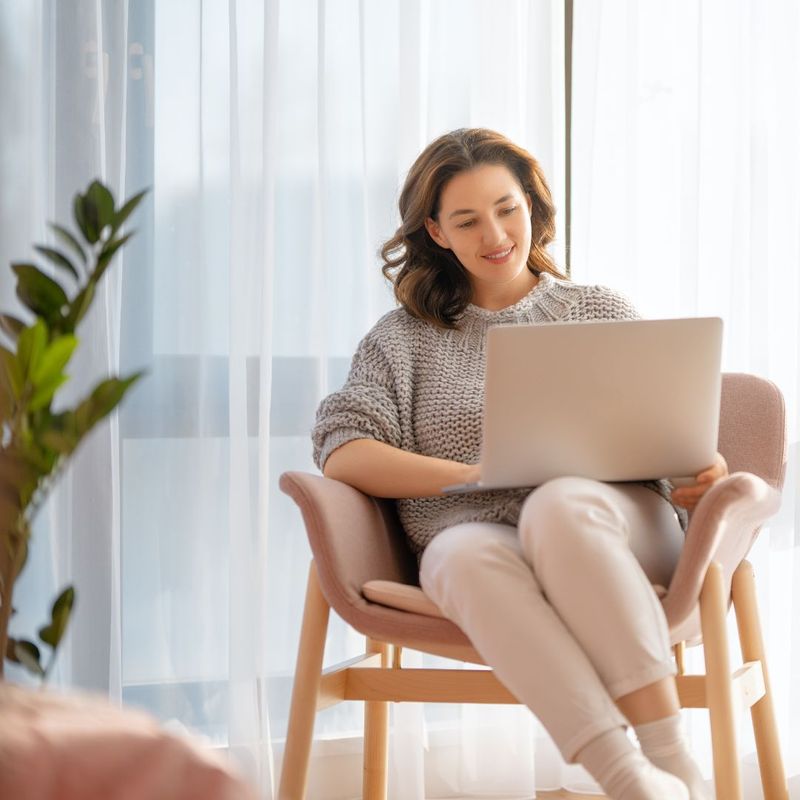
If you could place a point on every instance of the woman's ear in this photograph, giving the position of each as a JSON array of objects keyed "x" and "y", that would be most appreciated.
[
  {"x": 529, "y": 202},
  {"x": 435, "y": 232}
]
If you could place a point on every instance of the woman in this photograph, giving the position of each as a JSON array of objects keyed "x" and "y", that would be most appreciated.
[{"x": 553, "y": 586}]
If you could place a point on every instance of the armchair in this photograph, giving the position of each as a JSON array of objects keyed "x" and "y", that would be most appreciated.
[{"x": 363, "y": 569}]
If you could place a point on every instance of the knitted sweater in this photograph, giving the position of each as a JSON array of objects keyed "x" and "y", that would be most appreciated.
[{"x": 420, "y": 388}]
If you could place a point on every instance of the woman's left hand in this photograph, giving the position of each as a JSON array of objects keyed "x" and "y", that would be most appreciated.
[{"x": 689, "y": 496}]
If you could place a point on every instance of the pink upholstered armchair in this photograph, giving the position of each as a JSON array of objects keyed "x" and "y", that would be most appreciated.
[{"x": 363, "y": 569}]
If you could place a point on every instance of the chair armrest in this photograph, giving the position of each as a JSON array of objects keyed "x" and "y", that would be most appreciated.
[
  {"x": 722, "y": 528},
  {"x": 354, "y": 538}
]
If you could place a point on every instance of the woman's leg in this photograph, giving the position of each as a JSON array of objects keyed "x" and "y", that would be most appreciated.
[
  {"x": 477, "y": 575},
  {"x": 580, "y": 537},
  {"x": 654, "y": 701},
  {"x": 596, "y": 550}
]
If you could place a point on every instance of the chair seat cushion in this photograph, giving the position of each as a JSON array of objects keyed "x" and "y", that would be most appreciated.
[{"x": 401, "y": 596}]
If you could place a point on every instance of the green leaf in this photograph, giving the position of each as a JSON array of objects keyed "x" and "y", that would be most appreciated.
[
  {"x": 92, "y": 217},
  {"x": 27, "y": 654},
  {"x": 43, "y": 394},
  {"x": 80, "y": 304},
  {"x": 126, "y": 211},
  {"x": 55, "y": 357},
  {"x": 60, "y": 441},
  {"x": 61, "y": 433},
  {"x": 31, "y": 346},
  {"x": 11, "y": 325},
  {"x": 59, "y": 617},
  {"x": 100, "y": 198},
  {"x": 68, "y": 239},
  {"x": 40, "y": 459},
  {"x": 39, "y": 292},
  {"x": 57, "y": 258},
  {"x": 107, "y": 394},
  {"x": 103, "y": 400},
  {"x": 107, "y": 253},
  {"x": 12, "y": 374},
  {"x": 88, "y": 227}
]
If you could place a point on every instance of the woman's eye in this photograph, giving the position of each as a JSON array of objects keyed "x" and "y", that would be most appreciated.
[{"x": 503, "y": 212}]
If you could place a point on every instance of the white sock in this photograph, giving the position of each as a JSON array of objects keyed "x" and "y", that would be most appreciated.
[
  {"x": 664, "y": 743},
  {"x": 624, "y": 773}
]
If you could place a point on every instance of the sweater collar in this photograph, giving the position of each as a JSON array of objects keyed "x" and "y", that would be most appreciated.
[{"x": 535, "y": 296}]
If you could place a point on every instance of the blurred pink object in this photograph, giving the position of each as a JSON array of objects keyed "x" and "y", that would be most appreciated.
[{"x": 79, "y": 747}]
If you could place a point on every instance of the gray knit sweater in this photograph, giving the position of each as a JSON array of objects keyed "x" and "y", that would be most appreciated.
[{"x": 420, "y": 388}]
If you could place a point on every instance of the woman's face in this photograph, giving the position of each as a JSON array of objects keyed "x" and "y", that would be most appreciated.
[{"x": 485, "y": 219}]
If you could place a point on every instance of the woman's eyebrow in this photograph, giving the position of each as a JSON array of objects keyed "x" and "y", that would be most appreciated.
[{"x": 472, "y": 211}]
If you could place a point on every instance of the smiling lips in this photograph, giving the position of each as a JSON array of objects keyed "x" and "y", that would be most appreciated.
[{"x": 499, "y": 256}]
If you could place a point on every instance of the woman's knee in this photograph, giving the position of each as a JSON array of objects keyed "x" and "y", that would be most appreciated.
[{"x": 566, "y": 512}]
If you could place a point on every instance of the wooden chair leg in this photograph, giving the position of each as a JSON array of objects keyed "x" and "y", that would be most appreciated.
[
  {"x": 303, "y": 710},
  {"x": 376, "y": 736},
  {"x": 770, "y": 762},
  {"x": 713, "y": 608},
  {"x": 680, "y": 657}
]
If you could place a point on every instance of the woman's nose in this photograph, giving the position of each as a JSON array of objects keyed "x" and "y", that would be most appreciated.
[{"x": 493, "y": 232}]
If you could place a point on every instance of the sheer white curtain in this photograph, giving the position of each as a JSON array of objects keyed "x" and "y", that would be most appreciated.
[
  {"x": 686, "y": 195},
  {"x": 274, "y": 138},
  {"x": 161, "y": 521},
  {"x": 59, "y": 130}
]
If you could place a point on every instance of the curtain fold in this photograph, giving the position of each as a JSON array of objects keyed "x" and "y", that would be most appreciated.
[{"x": 274, "y": 138}]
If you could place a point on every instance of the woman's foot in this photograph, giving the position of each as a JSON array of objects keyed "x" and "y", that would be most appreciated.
[
  {"x": 664, "y": 743},
  {"x": 650, "y": 783},
  {"x": 624, "y": 773}
]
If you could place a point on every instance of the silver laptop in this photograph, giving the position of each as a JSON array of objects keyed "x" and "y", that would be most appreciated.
[{"x": 614, "y": 401}]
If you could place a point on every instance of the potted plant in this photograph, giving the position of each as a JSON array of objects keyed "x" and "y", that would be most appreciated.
[
  {"x": 73, "y": 746},
  {"x": 36, "y": 441}
]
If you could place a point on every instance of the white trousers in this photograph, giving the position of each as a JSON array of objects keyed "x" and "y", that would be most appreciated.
[{"x": 563, "y": 607}]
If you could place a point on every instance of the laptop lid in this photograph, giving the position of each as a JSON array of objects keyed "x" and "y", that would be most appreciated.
[{"x": 613, "y": 401}]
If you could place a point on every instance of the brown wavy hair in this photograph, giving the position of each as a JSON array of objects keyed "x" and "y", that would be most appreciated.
[{"x": 429, "y": 281}]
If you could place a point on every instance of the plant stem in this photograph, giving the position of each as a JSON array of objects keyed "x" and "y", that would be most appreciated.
[
  {"x": 7, "y": 577},
  {"x": 11, "y": 551}
]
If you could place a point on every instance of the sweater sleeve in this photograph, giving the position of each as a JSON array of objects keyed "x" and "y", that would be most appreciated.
[
  {"x": 602, "y": 303},
  {"x": 364, "y": 408}
]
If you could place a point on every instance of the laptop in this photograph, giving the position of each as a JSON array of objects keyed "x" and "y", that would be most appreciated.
[{"x": 614, "y": 401}]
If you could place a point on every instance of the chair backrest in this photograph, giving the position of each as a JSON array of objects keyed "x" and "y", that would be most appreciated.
[{"x": 752, "y": 427}]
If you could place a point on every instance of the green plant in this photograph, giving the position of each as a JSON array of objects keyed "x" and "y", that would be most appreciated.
[{"x": 36, "y": 441}]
